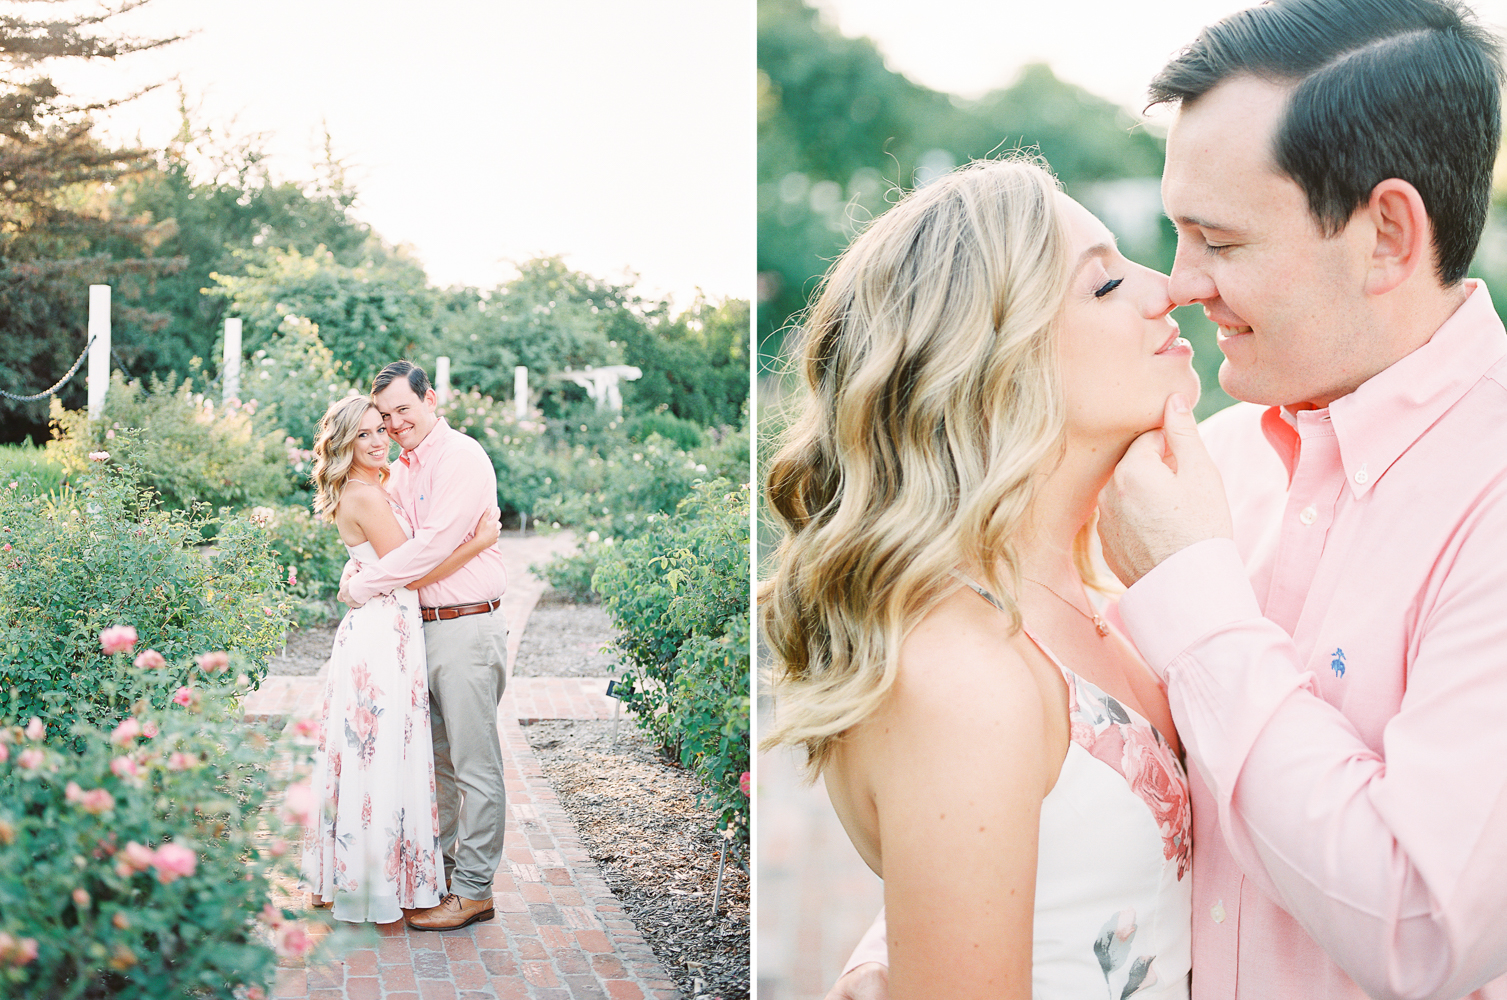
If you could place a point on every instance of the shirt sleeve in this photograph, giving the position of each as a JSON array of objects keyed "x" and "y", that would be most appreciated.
[
  {"x": 462, "y": 491},
  {"x": 872, "y": 947},
  {"x": 1394, "y": 862}
]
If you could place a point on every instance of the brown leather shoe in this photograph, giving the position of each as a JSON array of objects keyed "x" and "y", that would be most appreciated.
[{"x": 453, "y": 913}]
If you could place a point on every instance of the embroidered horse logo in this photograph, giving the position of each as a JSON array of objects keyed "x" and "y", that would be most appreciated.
[{"x": 1337, "y": 664}]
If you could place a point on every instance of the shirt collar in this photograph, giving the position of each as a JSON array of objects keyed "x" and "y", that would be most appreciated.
[
  {"x": 419, "y": 456},
  {"x": 1391, "y": 410}
]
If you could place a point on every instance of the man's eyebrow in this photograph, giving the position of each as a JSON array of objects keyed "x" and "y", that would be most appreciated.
[
  {"x": 1097, "y": 250},
  {"x": 1200, "y": 223}
]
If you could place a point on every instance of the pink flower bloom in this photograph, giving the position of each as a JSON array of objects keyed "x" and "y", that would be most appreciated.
[
  {"x": 30, "y": 759},
  {"x": 292, "y": 939},
  {"x": 99, "y": 456},
  {"x": 256, "y": 993},
  {"x": 213, "y": 663},
  {"x": 743, "y": 783},
  {"x": 117, "y": 639},
  {"x": 123, "y": 767},
  {"x": 4, "y": 753},
  {"x": 179, "y": 761},
  {"x": 34, "y": 729},
  {"x": 182, "y": 696},
  {"x": 13, "y": 952},
  {"x": 298, "y": 804},
  {"x": 173, "y": 861},
  {"x": 272, "y": 915},
  {"x": 136, "y": 857},
  {"x": 73, "y": 793},
  {"x": 98, "y": 801},
  {"x": 278, "y": 847},
  {"x": 125, "y": 733},
  {"x": 7, "y": 546},
  {"x": 292, "y": 577},
  {"x": 306, "y": 728},
  {"x": 1153, "y": 774},
  {"x": 149, "y": 729},
  {"x": 80, "y": 898},
  {"x": 151, "y": 660}
]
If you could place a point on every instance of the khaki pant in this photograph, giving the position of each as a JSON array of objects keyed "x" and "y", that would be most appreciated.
[{"x": 468, "y": 660}]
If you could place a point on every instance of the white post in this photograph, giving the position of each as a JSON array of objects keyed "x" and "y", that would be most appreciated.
[
  {"x": 441, "y": 379},
  {"x": 230, "y": 371},
  {"x": 520, "y": 392},
  {"x": 99, "y": 350}
]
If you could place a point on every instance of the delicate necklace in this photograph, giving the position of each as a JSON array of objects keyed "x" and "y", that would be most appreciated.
[{"x": 1099, "y": 623}]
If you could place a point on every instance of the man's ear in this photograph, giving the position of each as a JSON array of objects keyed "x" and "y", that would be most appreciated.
[
  {"x": 430, "y": 399},
  {"x": 1404, "y": 235}
]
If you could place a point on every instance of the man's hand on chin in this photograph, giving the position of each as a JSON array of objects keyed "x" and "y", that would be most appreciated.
[
  {"x": 1165, "y": 495},
  {"x": 869, "y": 981}
]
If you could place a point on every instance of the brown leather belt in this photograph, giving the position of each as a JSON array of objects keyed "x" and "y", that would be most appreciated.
[{"x": 450, "y": 611}]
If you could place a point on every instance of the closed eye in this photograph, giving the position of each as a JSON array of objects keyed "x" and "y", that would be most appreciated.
[{"x": 1107, "y": 287}]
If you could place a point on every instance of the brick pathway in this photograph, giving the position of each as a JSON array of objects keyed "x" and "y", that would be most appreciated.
[{"x": 559, "y": 933}]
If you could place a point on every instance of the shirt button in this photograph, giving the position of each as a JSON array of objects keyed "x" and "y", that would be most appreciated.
[
  {"x": 1308, "y": 515},
  {"x": 1362, "y": 477},
  {"x": 1217, "y": 912}
]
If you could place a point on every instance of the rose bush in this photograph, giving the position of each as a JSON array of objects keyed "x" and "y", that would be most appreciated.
[
  {"x": 679, "y": 597},
  {"x": 136, "y": 859},
  {"x": 100, "y": 553}
]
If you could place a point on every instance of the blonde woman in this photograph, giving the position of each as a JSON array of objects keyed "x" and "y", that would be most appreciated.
[
  {"x": 975, "y": 364},
  {"x": 374, "y": 852}
]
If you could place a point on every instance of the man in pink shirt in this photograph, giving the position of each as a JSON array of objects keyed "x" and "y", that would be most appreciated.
[
  {"x": 445, "y": 483},
  {"x": 1334, "y": 638},
  {"x": 1334, "y": 641}
]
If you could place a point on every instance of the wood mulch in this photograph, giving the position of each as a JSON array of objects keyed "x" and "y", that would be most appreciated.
[{"x": 638, "y": 819}]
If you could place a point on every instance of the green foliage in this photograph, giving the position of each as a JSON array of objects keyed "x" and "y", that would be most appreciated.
[
  {"x": 368, "y": 314},
  {"x": 685, "y": 434},
  {"x": 100, "y": 553},
  {"x": 679, "y": 596},
  {"x": 695, "y": 364},
  {"x": 623, "y": 492},
  {"x": 293, "y": 380},
  {"x": 30, "y": 468},
  {"x": 571, "y": 573},
  {"x": 178, "y": 442},
  {"x": 76, "y": 814},
  {"x": 310, "y": 557}
]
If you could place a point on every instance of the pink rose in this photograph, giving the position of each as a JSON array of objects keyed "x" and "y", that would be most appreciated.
[
  {"x": 1154, "y": 775},
  {"x": 117, "y": 639},
  {"x": 292, "y": 577},
  {"x": 123, "y": 767},
  {"x": 136, "y": 857},
  {"x": 743, "y": 783},
  {"x": 256, "y": 993},
  {"x": 149, "y": 729},
  {"x": 4, "y": 753},
  {"x": 99, "y": 456},
  {"x": 306, "y": 728},
  {"x": 278, "y": 847},
  {"x": 292, "y": 940},
  {"x": 73, "y": 793},
  {"x": 80, "y": 898},
  {"x": 272, "y": 915},
  {"x": 298, "y": 804},
  {"x": 213, "y": 663},
  {"x": 14, "y": 952},
  {"x": 30, "y": 759},
  {"x": 182, "y": 696},
  {"x": 180, "y": 761},
  {"x": 98, "y": 801},
  {"x": 151, "y": 660},
  {"x": 34, "y": 729},
  {"x": 125, "y": 734},
  {"x": 173, "y": 861}
]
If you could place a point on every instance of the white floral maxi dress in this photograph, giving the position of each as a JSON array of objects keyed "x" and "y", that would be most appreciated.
[{"x": 375, "y": 847}]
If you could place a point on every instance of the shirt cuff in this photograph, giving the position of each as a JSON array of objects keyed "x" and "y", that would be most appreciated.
[{"x": 1187, "y": 596}]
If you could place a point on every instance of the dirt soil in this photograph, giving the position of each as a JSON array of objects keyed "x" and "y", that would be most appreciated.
[
  {"x": 565, "y": 640},
  {"x": 639, "y": 821},
  {"x": 306, "y": 651}
]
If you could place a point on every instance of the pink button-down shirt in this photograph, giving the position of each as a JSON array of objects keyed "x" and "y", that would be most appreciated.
[
  {"x": 444, "y": 485},
  {"x": 1339, "y": 677}
]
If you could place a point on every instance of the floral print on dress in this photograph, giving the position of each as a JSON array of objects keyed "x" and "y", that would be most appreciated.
[
  {"x": 1112, "y": 948},
  {"x": 1101, "y": 725}
]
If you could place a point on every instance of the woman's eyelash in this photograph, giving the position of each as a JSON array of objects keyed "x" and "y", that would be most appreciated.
[{"x": 1107, "y": 287}]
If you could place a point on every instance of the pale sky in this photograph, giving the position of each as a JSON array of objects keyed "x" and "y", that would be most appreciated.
[
  {"x": 1109, "y": 47},
  {"x": 620, "y": 135}
]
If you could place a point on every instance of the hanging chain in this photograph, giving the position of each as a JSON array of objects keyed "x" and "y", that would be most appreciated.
[{"x": 56, "y": 385}]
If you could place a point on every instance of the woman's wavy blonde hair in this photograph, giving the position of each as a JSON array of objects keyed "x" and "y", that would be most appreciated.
[
  {"x": 933, "y": 403},
  {"x": 335, "y": 450}
]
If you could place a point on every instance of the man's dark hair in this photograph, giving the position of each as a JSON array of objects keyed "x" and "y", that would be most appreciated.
[
  {"x": 418, "y": 379},
  {"x": 1380, "y": 88}
]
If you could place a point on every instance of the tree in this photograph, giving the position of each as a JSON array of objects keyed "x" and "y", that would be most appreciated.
[
  {"x": 57, "y": 235},
  {"x": 695, "y": 364}
]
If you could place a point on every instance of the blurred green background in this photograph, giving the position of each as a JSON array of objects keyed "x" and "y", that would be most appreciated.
[{"x": 840, "y": 134}]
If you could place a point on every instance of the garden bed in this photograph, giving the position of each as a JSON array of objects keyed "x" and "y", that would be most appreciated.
[
  {"x": 563, "y": 639},
  {"x": 639, "y": 820}
]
